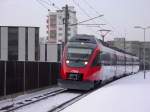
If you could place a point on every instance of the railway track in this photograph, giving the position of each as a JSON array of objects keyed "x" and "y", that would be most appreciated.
[
  {"x": 35, "y": 100},
  {"x": 75, "y": 99},
  {"x": 55, "y": 103},
  {"x": 67, "y": 103},
  {"x": 52, "y": 95},
  {"x": 25, "y": 102}
]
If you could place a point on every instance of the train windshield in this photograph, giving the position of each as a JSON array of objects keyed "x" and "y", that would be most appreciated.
[{"x": 78, "y": 57}]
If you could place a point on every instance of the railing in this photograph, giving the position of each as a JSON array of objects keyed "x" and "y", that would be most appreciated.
[{"x": 17, "y": 76}]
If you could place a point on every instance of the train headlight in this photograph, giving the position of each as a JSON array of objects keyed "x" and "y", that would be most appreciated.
[
  {"x": 82, "y": 43},
  {"x": 67, "y": 61},
  {"x": 85, "y": 62}
]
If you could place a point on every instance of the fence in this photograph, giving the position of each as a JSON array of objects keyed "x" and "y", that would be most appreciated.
[{"x": 17, "y": 76}]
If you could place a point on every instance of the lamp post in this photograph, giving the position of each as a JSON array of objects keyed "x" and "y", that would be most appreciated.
[
  {"x": 144, "y": 30},
  {"x": 104, "y": 32}
]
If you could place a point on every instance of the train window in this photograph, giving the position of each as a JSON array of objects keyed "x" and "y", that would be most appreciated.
[
  {"x": 105, "y": 58},
  {"x": 78, "y": 57},
  {"x": 80, "y": 50},
  {"x": 135, "y": 62},
  {"x": 125, "y": 59},
  {"x": 79, "y": 53},
  {"x": 129, "y": 61},
  {"x": 120, "y": 60},
  {"x": 114, "y": 59}
]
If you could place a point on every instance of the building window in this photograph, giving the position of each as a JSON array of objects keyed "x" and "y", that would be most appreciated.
[
  {"x": 60, "y": 29},
  {"x": 69, "y": 29},
  {"x": 26, "y": 43},
  {"x": 69, "y": 34},
  {"x": 60, "y": 34},
  {"x": 53, "y": 20},
  {"x": 60, "y": 17},
  {"x": 37, "y": 44},
  {"x": 12, "y": 43},
  {"x": 53, "y": 17},
  {"x": 0, "y": 42},
  {"x": 45, "y": 52},
  {"x": 53, "y": 25},
  {"x": 53, "y": 34}
]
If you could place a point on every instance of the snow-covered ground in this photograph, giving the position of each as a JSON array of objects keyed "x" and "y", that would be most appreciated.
[
  {"x": 27, "y": 96},
  {"x": 129, "y": 94},
  {"x": 48, "y": 104},
  {"x": 41, "y": 106}
]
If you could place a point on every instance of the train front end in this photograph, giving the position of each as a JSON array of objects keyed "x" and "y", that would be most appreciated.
[{"x": 76, "y": 67}]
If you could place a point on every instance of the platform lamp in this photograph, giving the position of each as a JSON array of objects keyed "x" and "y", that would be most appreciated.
[
  {"x": 144, "y": 31},
  {"x": 104, "y": 32}
]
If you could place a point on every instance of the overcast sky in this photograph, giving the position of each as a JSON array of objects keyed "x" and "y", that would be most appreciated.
[{"x": 120, "y": 16}]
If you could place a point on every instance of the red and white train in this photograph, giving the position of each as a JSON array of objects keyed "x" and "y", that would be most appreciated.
[{"x": 88, "y": 61}]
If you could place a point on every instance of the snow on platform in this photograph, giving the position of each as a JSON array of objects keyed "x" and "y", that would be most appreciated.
[{"x": 129, "y": 94}]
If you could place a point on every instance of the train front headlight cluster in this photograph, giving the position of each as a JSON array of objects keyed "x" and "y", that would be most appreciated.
[
  {"x": 67, "y": 61},
  {"x": 85, "y": 62}
]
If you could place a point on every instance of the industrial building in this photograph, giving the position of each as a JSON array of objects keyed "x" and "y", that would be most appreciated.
[
  {"x": 19, "y": 43},
  {"x": 50, "y": 52},
  {"x": 134, "y": 47}
]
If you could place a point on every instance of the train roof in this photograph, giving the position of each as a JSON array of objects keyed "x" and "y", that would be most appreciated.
[
  {"x": 84, "y": 38},
  {"x": 115, "y": 48},
  {"x": 93, "y": 40}
]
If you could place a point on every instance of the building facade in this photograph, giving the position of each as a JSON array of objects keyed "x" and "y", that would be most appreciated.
[
  {"x": 50, "y": 52},
  {"x": 18, "y": 43},
  {"x": 56, "y": 27},
  {"x": 134, "y": 47}
]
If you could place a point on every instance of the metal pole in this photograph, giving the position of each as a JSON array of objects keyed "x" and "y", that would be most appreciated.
[
  {"x": 103, "y": 35},
  {"x": 5, "y": 78},
  {"x": 103, "y": 38},
  {"x": 24, "y": 77},
  {"x": 125, "y": 54},
  {"x": 66, "y": 23},
  {"x": 38, "y": 75},
  {"x": 144, "y": 51},
  {"x": 143, "y": 61}
]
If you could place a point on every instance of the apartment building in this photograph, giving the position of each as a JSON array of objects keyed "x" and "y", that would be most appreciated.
[{"x": 56, "y": 27}]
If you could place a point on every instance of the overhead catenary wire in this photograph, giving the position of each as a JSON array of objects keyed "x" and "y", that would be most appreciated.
[
  {"x": 87, "y": 20},
  {"x": 81, "y": 9},
  {"x": 97, "y": 12},
  {"x": 85, "y": 13},
  {"x": 77, "y": 4},
  {"x": 54, "y": 5},
  {"x": 92, "y": 25},
  {"x": 42, "y": 4},
  {"x": 45, "y": 2},
  {"x": 91, "y": 7},
  {"x": 50, "y": 3}
]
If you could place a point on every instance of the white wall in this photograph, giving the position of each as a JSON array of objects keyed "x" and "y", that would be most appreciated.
[
  {"x": 4, "y": 43},
  {"x": 52, "y": 52},
  {"x": 31, "y": 44},
  {"x": 42, "y": 52},
  {"x": 21, "y": 44}
]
